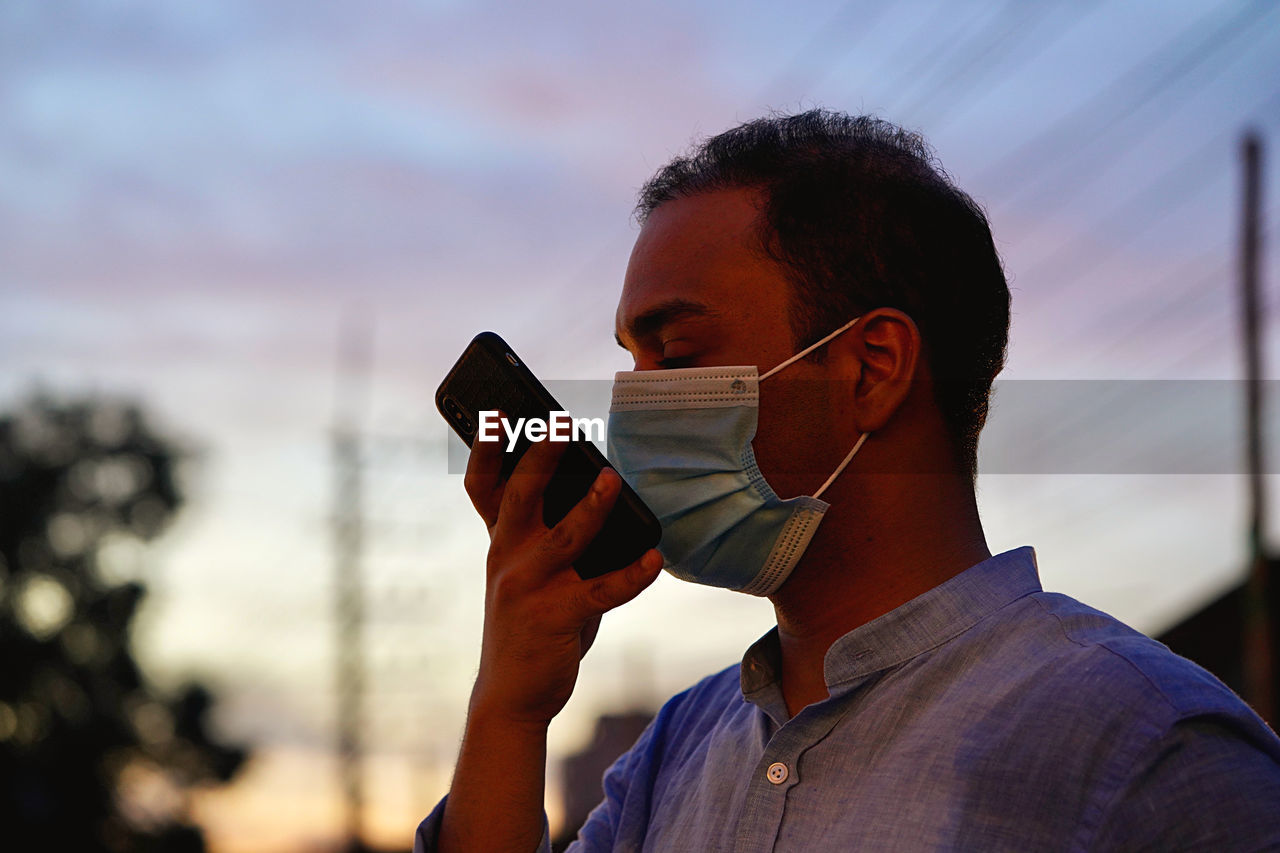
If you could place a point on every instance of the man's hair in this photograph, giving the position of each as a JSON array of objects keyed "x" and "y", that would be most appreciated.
[{"x": 859, "y": 214}]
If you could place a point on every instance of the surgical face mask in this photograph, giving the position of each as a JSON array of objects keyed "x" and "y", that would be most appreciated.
[{"x": 682, "y": 439}]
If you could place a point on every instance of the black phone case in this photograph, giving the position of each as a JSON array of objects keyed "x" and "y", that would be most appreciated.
[{"x": 489, "y": 376}]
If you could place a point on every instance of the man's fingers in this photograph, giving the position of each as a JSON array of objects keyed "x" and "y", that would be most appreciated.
[
  {"x": 522, "y": 495},
  {"x": 617, "y": 588},
  {"x": 565, "y": 542},
  {"x": 483, "y": 478}
]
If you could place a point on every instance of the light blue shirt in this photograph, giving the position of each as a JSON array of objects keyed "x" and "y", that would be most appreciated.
[{"x": 985, "y": 714}]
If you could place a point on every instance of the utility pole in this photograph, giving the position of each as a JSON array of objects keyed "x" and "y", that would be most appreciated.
[
  {"x": 1259, "y": 669},
  {"x": 348, "y": 582}
]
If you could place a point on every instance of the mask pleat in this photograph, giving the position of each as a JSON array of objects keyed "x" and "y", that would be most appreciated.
[
  {"x": 682, "y": 439},
  {"x": 668, "y": 498}
]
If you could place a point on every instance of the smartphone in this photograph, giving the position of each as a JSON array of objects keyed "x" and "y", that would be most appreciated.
[{"x": 489, "y": 376}]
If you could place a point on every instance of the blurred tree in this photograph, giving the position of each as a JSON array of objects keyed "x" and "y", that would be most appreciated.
[{"x": 92, "y": 757}]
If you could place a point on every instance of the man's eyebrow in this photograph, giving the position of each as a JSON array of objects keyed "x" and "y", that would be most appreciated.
[{"x": 662, "y": 314}]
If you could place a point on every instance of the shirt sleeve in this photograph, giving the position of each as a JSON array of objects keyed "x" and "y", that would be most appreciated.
[
  {"x": 1210, "y": 783},
  {"x": 426, "y": 839}
]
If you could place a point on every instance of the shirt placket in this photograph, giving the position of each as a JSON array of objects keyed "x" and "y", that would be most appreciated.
[{"x": 778, "y": 771}]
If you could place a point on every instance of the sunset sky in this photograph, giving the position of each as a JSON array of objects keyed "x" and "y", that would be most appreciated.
[{"x": 196, "y": 198}]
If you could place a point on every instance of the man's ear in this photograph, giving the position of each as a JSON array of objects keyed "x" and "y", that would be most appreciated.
[{"x": 886, "y": 345}]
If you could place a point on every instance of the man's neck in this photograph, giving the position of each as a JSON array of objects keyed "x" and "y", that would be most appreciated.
[{"x": 926, "y": 532}]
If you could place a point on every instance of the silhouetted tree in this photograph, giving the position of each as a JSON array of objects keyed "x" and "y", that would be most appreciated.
[{"x": 92, "y": 756}]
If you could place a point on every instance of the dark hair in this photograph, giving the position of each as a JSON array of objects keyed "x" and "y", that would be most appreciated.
[{"x": 860, "y": 215}]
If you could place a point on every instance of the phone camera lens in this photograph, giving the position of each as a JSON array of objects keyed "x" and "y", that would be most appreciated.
[
  {"x": 514, "y": 361},
  {"x": 459, "y": 417}
]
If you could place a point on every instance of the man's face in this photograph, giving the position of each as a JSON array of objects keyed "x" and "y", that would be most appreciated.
[{"x": 699, "y": 293}]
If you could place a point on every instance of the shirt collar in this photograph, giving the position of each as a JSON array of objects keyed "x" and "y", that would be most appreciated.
[{"x": 923, "y": 623}]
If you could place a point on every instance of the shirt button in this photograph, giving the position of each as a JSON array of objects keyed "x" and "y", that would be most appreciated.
[{"x": 777, "y": 773}]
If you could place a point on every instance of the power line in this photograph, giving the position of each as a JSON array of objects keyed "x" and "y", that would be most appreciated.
[
  {"x": 975, "y": 72},
  {"x": 1066, "y": 138},
  {"x": 1098, "y": 412},
  {"x": 964, "y": 73},
  {"x": 1060, "y": 180},
  {"x": 923, "y": 71},
  {"x": 1187, "y": 295},
  {"x": 830, "y": 40},
  {"x": 1174, "y": 187},
  {"x": 1141, "y": 211}
]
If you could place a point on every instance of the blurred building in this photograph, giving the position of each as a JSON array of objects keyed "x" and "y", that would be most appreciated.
[
  {"x": 582, "y": 772},
  {"x": 1217, "y": 635}
]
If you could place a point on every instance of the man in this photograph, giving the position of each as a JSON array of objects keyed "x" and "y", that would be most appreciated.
[{"x": 814, "y": 310}]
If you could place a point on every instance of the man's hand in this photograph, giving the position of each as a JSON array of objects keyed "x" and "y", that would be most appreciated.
[{"x": 540, "y": 618}]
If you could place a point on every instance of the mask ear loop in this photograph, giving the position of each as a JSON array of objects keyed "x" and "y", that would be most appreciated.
[
  {"x": 809, "y": 349},
  {"x": 857, "y": 446},
  {"x": 841, "y": 466}
]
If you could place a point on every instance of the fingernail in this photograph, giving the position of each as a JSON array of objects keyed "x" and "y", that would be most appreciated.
[{"x": 601, "y": 483}]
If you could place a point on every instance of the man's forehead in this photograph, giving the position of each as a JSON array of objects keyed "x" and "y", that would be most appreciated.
[{"x": 695, "y": 257}]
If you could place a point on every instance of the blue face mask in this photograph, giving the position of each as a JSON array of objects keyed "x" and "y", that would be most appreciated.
[{"x": 682, "y": 439}]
